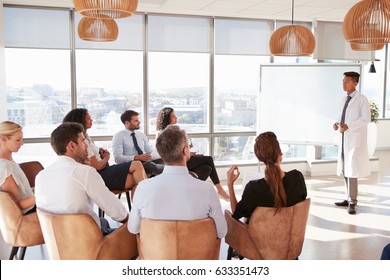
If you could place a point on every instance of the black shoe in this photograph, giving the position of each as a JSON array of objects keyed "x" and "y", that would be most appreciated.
[
  {"x": 342, "y": 203},
  {"x": 351, "y": 209}
]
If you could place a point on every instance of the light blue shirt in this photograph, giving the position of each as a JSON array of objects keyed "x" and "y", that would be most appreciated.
[
  {"x": 176, "y": 195},
  {"x": 123, "y": 145}
]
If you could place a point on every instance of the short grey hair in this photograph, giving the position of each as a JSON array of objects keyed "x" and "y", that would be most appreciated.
[{"x": 170, "y": 144}]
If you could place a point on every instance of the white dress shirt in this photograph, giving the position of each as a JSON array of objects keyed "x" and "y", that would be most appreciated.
[
  {"x": 68, "y": 187},
  {"x": 176, "y": 195},
  {"x": 123, "y": 145}
]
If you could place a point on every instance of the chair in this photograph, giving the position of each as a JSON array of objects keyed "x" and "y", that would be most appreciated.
[
  {"x": 78, "y": 237},
  {"x": 178, "y": 240},
  {"x": 31, "y": 169},
  {"x": 18, "y": 230},
  {"x": 269, "y": 236}
]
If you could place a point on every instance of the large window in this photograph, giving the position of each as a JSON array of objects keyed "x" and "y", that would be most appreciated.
[
  {"x": 206, "y": 68},
  {"x": 236, "y": 88},
  {"x": 108, "y": 83},
  {"x": 37, "y": 64},
  {"x": 180, "y": 81}
]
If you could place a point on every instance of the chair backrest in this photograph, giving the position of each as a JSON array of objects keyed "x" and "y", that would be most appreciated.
[
  {"x": 18, "y": 230},
  {"x": 178, "y": 240},
  {"x": 78, "y": 237},
  {"x": 31, "y": 169},
  {"x": 270, "y": 236}
]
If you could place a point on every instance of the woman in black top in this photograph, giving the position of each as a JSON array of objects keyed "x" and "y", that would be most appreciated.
[
  {"x": 277, "y": 189},
  {"x": 202, "y": 165}
]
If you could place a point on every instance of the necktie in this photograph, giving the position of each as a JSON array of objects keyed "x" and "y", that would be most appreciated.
[
  {"x": 344, "y": 109},
  {"x": 139, "y": 151}
]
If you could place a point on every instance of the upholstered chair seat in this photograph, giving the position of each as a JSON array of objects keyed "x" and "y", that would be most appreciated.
[
  {"x": 178, "y": 240},
  {"x": 18, "y": 230},
  {"x": 269, "y": 236},
  {"x": 78, "y": 237}
]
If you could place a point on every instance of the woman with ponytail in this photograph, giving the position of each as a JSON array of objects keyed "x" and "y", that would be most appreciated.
[{"x": 277, "y": 189}]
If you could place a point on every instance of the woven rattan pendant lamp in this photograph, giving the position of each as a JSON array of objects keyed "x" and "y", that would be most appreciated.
[
  {"x": 106, "y": 8},
  {"x": 367, "y": 25},
  {"x": 292, "y": 40},
  {"x": 98, "y": 29}
]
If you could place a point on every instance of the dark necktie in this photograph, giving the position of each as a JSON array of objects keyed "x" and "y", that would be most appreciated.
[
  {"x": 139, "y": 151},
  {"x": 344, "y": 109}
]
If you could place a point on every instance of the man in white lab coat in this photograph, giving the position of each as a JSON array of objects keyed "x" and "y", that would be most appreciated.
[{"x": 353, "y": 160}]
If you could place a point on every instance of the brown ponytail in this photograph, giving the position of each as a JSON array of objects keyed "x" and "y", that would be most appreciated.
[{"x": 267, "y": 150}]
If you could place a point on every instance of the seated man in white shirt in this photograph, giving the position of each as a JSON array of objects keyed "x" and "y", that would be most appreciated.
[
  {"x": 131, "y": 144},
  {"x": 69, "y": 187},
  {"x": 175, "y": 194}
]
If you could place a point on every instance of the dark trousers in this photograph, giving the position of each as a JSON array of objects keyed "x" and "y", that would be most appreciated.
[
  {"x": 153, "y": 168},
  {"x": 386, "y": 253},
  {"x": 204, "y": 167}
]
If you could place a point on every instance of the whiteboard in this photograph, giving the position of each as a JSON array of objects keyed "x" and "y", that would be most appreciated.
[{"x": 301, "y": 102}]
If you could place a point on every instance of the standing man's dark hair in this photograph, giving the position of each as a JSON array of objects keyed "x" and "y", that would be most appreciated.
[{"x": 354, "y": 75}]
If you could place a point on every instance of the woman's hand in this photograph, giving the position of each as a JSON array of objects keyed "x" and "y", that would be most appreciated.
[{"x": 232, "y": 174}]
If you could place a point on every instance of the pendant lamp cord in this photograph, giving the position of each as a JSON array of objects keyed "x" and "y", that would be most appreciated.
[{"x": 292, "y": 13}]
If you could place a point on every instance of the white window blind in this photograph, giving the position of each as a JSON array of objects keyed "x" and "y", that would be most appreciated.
[
  {"x": 36, "y": 28},
  {"x": 247, "y": 37},
  {"x": 174, "y": 33}
]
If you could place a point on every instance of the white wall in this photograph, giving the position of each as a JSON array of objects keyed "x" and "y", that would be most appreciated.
[
  {"x": 383, "y": 141},
  {"x": 3, "y": 98}
]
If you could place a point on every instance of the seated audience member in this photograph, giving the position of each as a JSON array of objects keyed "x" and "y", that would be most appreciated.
[
  {"x": 277, "y": 189},
  {"x": 175, "y": 194},
  {"x": 12, "y": 178},
  {"x": 125, "y": 175},
  {"x": 131, "y": 144},
  {"x": 202, "y": 165},
  {"x": 386, "y": 252},
  {"x": 69, "y": 187}
]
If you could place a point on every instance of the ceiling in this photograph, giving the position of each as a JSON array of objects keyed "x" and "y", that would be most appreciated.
[{"x": 305, "y": 10}]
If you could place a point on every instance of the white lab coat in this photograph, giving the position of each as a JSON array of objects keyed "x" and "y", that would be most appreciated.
[{"x": 356, "y": 158}]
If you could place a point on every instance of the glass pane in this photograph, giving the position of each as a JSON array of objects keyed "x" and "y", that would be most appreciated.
[
  {"x": 130, "y": 35},
  {"x": 37, "y": 88},
  {"x": 174, "y": 33},
  {"x": 236, "y": 90},
  {"x": 231, "y": 149},
  {"x": 108, "y": 83},
  {"x": 242, "y": 36},
  {"x": 180, "y": 81},
  {"x": 36, "y": 28}
]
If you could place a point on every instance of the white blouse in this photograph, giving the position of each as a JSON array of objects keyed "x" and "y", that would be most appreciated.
[{"x": 11, "y": 168}]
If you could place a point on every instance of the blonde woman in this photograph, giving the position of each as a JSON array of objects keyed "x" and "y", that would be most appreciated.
[{"x": 12, "y": 178}]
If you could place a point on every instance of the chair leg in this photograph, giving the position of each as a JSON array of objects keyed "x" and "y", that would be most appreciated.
[
  {"x": 128, "y": 200},
  {"x": 22, "y": 253},
  {"x": 14, "y": 251},
  {"x": 230, "y": 253}
]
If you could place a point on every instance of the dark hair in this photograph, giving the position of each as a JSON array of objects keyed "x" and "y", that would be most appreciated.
[
  {"x": 354, "y": 75},
  {"x": 170, "y": 144},
  {"x": 127, "y": 115},
  {"x": 163, "y": 118},
  {"x": 77, "y": 115},
  {"x": 267, "y": 150},
  {"x": 63, "y": 134}
]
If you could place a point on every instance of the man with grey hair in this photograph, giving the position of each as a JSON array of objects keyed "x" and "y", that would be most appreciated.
[{"x": 175, "y": 194}]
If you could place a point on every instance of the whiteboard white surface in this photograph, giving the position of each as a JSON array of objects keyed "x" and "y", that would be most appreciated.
[{"x": 300, "y": 102}]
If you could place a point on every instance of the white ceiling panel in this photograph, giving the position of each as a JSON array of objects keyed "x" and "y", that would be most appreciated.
[{"x": 305, "y": 10}]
